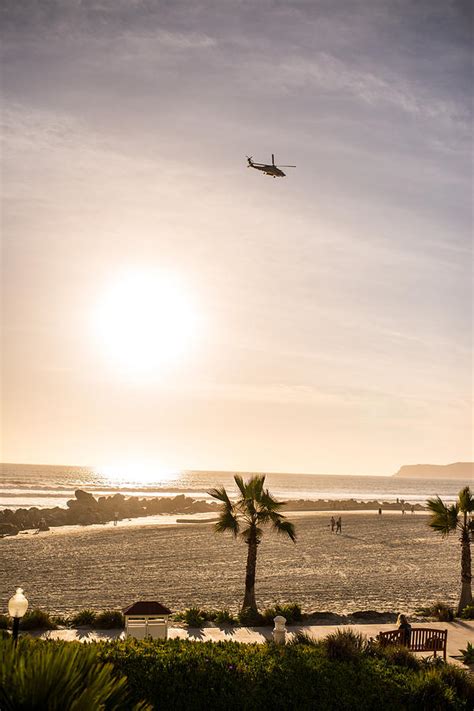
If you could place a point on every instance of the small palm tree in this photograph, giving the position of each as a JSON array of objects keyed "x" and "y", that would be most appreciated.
[
  {"x": 245, "y": 517},
  {"x": 445, "y": 519}
]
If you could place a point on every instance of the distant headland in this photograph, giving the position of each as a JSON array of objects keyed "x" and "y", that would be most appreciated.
[{"x": 458, "y": 470}]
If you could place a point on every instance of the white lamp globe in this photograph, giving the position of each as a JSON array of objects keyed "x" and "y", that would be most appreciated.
[{"x": 17, "y": 604}]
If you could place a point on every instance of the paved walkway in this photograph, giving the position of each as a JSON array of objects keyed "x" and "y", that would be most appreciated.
[{"x": 460, "y": 633}]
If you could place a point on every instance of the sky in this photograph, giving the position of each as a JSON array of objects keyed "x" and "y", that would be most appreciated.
[{"x": 164, "y": 305}]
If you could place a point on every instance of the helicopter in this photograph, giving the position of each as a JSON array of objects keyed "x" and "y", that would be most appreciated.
[{"x": 273, "y": 170}]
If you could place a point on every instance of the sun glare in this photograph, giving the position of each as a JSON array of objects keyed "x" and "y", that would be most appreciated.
[
  {"x": 146, "y": 322},
  {"x": 137, "y": 473}
]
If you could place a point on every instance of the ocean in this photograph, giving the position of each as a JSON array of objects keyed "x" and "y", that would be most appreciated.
[{"x": 44, "y": 486}]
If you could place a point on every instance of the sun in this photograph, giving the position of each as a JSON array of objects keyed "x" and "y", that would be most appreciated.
[{"x": 146, "y": 321}]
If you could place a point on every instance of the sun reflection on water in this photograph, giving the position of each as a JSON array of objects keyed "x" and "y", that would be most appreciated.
[{"x": 137, "y": 473}]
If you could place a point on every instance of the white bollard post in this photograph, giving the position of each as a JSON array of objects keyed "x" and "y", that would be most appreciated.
[{"x": 279, "y": 631}]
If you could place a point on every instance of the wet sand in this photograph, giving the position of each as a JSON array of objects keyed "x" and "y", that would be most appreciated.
[{"x": 388, "y": 562}]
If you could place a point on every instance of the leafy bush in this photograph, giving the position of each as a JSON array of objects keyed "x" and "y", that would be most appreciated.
[
  {"x": 468, "y": 654},
  {"x": 429, "y": 692},
  {"x": 84, "y": 618},
  {"x": 37, "y": 675},
  {"x": 399, "y": 655},
  {"x": 458, "y": 680},
  {"x": 439, "y": 610},
  {"x": 194, "y": 617},
  {"x": 224, "y": 617},
  {"x": 249, "y": 617},
  {"x": 345, "y": 645},
  {"x": 37, "y": 619},
  {"x": 178, "y": 675},
  {"x": 304, "y": 638},
  {"x": 290, "y": 611},
  {"x": 468, "y": 613},
  {"x": 442, "y": 612},
  {"x": 109, "y": 619},
  {"x": 4, "y": 622}
]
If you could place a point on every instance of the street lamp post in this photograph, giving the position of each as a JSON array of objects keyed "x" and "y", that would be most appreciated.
[{"x": 17, "y": 606}]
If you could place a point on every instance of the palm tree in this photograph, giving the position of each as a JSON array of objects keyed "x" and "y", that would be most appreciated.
[
  {"x": 445, "y": 519},
  {"x": 245, "y": 517}
]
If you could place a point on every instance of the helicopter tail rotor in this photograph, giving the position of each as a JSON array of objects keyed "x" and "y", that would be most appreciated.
[{"x": 249, "y": 160}]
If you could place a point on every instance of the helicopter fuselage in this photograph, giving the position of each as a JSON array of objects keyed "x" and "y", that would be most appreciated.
[{"x": 270, "y": 170}]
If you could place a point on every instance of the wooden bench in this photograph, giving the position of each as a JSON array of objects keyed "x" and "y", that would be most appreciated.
[{"x": 421, "y": 639}]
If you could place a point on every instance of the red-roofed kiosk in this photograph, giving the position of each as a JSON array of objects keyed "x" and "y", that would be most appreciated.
[{"x": 146, "y": 618}]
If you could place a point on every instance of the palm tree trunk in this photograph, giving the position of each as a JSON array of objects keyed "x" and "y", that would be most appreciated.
[
  {"x": 249, "y": 597},
  {"x": 466, "y": 576}
]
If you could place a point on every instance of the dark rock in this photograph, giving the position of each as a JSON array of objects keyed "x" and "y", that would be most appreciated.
[
  {"x": 8, "y": 529},
  {"x": 85, "y": 498}
]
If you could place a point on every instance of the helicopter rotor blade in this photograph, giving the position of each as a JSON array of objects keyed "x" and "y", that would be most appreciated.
[{"x": 286, "y": 166}]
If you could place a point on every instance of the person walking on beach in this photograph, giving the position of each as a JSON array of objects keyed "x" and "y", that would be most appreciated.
[
  {"x": 380, "y": 510},
  {"x": 333, "y": 523},
  {"x": 405, "y": 626},
  {"x": 339, "y": 525}
]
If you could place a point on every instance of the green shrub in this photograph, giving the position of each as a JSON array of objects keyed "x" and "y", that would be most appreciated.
[
  {"x": 442, "y": 612},
  {"x": 396, "y": 654},
  {"x": 178, "y": 675},
  {"x": 38, "y": 674},
  {"x": 4, "y": 622},
  {"x": 468, "y": 613},
  {"x": 459, "y": 680},
  {"x": 428, "y": 692},
  {"x": 468, "y": 654},
  {"x": 61, "y": 620},
  {"x": 439, "y": 610},
  {"x": 109, "y": 619},
  {"x": 194, "y": 617},
  {"x": 37, "y": 619},
  {"x": 290, "y": 611},
  {"x": 84, "y": 618},
  {"x": 249, "y": 617},
  {"x": 224, "y": 617},
  {"x": 345, "y": 645},
  {"x": 304, "y": 638}
]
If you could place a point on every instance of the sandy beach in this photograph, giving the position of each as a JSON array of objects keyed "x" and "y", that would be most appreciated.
[{"x": 388, "y": 562}]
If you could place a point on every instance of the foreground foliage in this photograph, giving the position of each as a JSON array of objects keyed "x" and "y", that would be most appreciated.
[
  {"x": 336, "y": 674},
  {"x": 38, "y": 675}
]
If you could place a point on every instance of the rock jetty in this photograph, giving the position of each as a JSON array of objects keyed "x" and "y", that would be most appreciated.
[{"x": 85, "y": 509}]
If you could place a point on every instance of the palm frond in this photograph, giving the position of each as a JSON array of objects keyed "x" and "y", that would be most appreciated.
[
  {"x": 444, "y": 519},
  {"x": 466, "y": 500},
  {"x": 221, "y": 495},
  {"x": 228, "y": 521},
  {"x": 281, "y": 525},
  {"x": 256, "y": 483},
  {"x": 242, "y": 486},
  {"x": 269, "y": 502}
]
